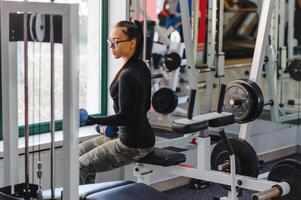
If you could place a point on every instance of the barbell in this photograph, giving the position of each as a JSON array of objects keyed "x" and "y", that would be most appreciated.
[{"x": 243, "y": 98}]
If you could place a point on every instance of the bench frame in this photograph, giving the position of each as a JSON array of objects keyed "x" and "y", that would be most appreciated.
[{"x": 203, "y": 172}]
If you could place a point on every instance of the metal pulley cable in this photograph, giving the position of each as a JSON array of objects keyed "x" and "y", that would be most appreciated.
[
  {"x": 26, "y": 126},
  {"x": 39, "y": 168},
  {"x": 33, "y": 109}
]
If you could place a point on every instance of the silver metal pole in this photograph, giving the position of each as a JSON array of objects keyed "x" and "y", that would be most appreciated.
[
  {"x": 220, "y": 61},
  {"x": 282, "y": 47},
  {"x": 220, "y": 26},
  {"x": 26, "y": 123},
  {"x": 211, "y": 53},
  {"x": 195, "y": 28},
  {"x": 189, "y": 52},
  {"x": 259, "y": 53},
  {"x": 144, "y": 30},
  {"x": 271, "y": 65},
  {"x": 52, "y": 106},
  {"x": 290, "y": 31}
]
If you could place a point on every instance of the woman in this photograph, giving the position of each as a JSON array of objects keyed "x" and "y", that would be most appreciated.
[{"x": 131, "y": 94}]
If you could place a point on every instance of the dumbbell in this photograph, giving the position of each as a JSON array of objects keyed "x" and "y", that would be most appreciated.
[
  {"x": 109, "y": 131},
  {"x": 83, "y": 116}
]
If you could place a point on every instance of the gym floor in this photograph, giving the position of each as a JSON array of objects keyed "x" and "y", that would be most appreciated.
[{"x": 215, "y": 190}]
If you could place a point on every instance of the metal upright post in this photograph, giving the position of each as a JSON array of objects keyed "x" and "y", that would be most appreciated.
[
  {"x": 26, "y": 104},
  {"x": 259, "y": 52},
  {"x": 189, "y": 51},
  {"x": 282, "y": 47},
  {"x": 144, "y": 30},
  {"x": 290, "y": 31},
  {"x": 271, "y": 69},
  {"x": 220, "y": 61},
  {"x": 211, "y": 53},
  {"x": 195, "y": 28},
  {"x": 70, "y": 103},
  {"x": 9, "y": 102}
]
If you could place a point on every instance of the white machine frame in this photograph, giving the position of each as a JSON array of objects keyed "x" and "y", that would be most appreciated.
[
  {"x": 277, "y": 46},
  {"x": 70, "y": 33},
  {"x": 203, "y": 169}
]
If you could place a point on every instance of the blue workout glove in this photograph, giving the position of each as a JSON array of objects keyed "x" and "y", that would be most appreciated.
[{"x": 109, "y": 131}]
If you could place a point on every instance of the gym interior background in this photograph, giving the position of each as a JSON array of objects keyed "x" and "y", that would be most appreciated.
[{"x": 190, "y": 44}]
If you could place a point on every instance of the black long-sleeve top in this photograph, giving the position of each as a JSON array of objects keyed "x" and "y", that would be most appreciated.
[{"x": 131, "y": 95}]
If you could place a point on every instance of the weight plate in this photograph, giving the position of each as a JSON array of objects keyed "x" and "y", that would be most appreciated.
[
  {"x": 172, "y": 61},
  {"x": 294, "y": 70},
  {"x": 237, "y": 101},
  {"x": 288, "y": 171},
  {"x": 32, "y": 30},
  {"x": 244, "y": 99},
  {"x": 258, "y": 98},
  {"x": 164, "y": 101},
  {"x": 40, "y": 26},
  {"x": 245, "y": 156}
]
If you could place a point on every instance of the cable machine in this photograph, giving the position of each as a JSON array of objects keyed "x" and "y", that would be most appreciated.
[{"x": 68, "y": 13}]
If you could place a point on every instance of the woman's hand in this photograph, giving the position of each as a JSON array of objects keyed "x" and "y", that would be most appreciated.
[
  {"x": 109, "y": 131},
  {"x": 91, "y": 120}
]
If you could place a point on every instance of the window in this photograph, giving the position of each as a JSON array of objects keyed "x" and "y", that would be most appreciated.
[{"x": 93, "y": 16}]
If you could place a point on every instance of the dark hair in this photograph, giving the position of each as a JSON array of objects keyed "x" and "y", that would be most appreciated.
[{"x": 133, "y": 30}]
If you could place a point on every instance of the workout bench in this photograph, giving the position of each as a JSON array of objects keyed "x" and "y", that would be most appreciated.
[{"x": 121, "y": 190}]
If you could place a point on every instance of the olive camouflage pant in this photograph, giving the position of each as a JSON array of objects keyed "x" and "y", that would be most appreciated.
[{"x": 102, "y": 154}]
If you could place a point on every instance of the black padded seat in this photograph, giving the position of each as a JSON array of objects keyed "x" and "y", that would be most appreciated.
[
  {"x": 163, "y": 157},
  {"x": 203, "y": 121},
  {"x": 88, "y": 189},
  {"x": 189, "y": 128},
  {"x": 224, "y": 121},
  {"x": 134, "y": 191}
]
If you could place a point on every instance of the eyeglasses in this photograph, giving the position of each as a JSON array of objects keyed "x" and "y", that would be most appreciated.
[{"x": 115, "y": 43}]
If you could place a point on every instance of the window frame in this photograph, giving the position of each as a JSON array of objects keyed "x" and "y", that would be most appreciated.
[{"x": 44, "y": 127}]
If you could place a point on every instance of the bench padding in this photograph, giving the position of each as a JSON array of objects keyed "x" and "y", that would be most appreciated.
[
  {"x": 203, "y": 121},
  {"x": 121, "y": 190},
  {"x": 163, "y": 157},
  {"x": 134, "y": 191},
  {"x": 85, "y": 190}
]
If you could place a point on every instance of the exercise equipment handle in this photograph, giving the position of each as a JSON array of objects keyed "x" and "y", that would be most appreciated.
[{"x": 191, "y": 103}]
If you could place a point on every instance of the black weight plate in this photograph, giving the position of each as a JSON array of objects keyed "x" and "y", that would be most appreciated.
[
  {"x": 294, "y": 70},
  {"x": 246, "y": 157},
  {"x": 288, "y": 171},
  {"x": 172, "y": 61},
  {"x": 257, "y": 96},
  {"x": 244, "y": 99},
  {"x": 238, "y": 101},
  {"x": 164, "y": 101}
]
